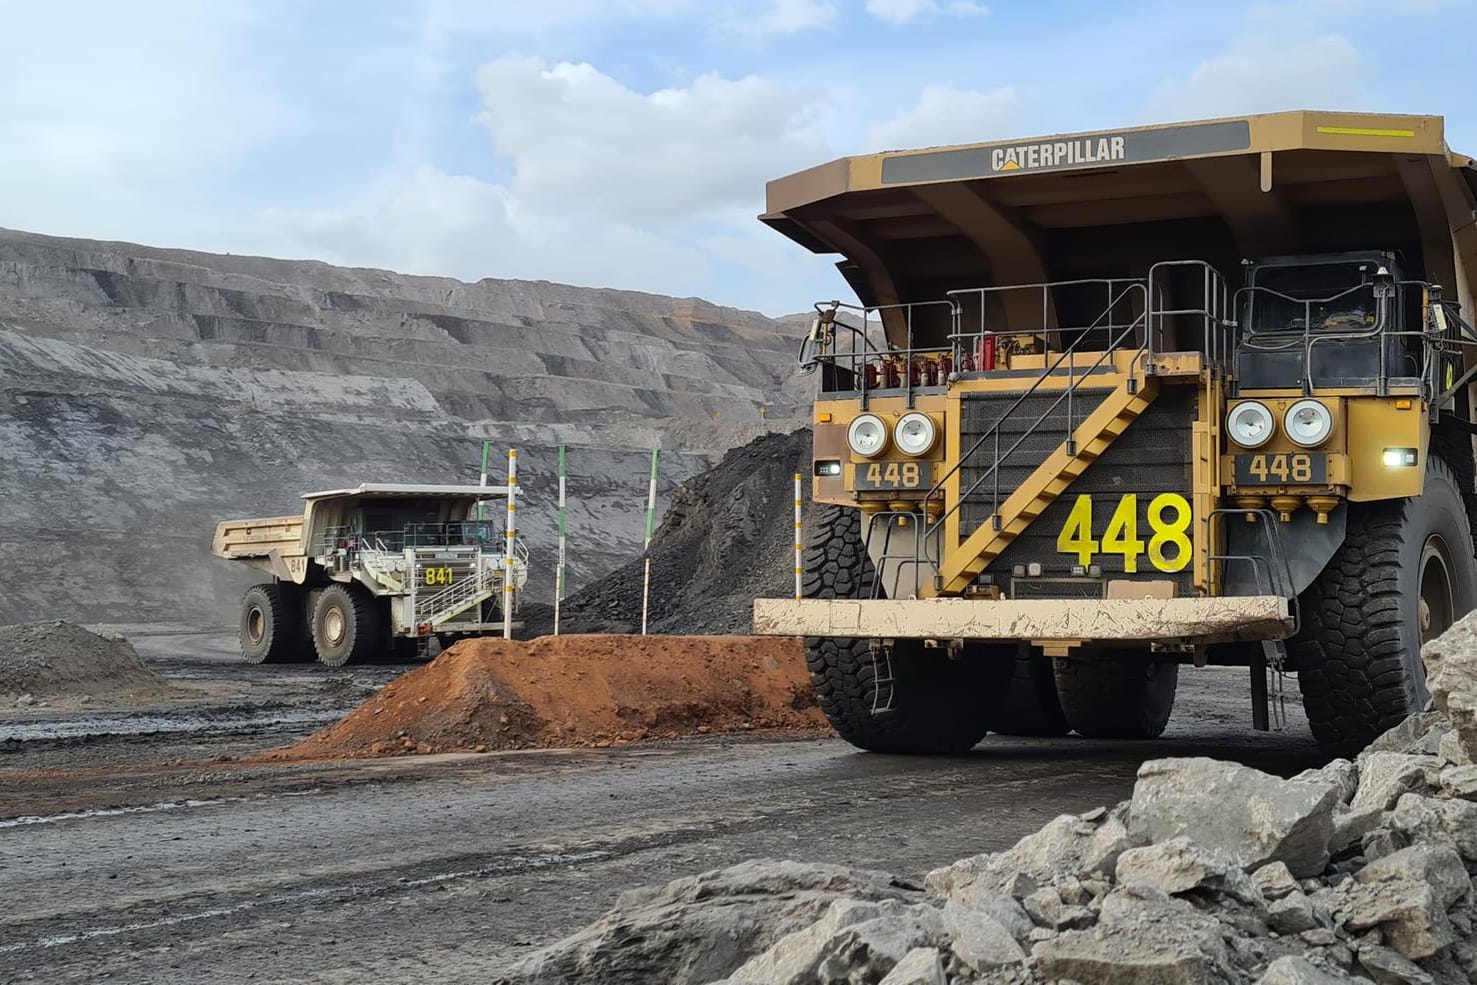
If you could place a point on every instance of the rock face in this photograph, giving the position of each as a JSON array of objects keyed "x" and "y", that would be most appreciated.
[
  {"x": 146, "y": 394},
  {"x": 1213, "y": 874}
]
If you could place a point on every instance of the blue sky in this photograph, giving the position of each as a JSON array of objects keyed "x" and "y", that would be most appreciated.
[{"x": 620, "y": 143}]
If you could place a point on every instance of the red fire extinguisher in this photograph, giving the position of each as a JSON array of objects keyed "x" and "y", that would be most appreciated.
[{"x": 987, "y": 353}]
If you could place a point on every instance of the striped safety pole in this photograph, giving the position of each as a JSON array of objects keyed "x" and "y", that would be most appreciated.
[
  {"x": 646, "y": 549},
  {"x": 509, "y": 589},
  {"x": 559, "y": 570},
  {"x": 799, "y": 565}
]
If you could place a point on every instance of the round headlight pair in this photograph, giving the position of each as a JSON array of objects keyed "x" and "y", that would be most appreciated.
[
  {"x": 1307, "y": 423},
  {"x": 914, "y": 433}
]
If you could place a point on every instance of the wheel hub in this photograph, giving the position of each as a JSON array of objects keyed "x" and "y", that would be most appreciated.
[
  {"x": 256, "y": 625},
  {"x": 1436, "y": 606},
  {"x": 333, "y": 625}
]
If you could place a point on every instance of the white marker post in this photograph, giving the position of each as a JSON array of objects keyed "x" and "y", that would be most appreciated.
[
  {"x": 646, "y": 549},
  {"x": 508, "y": 588},
  {"x": 559, "y": 570},
  {"x": 799, "y": 562}
]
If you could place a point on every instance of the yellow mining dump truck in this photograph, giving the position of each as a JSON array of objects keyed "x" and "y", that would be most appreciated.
[
  {"x": 1120, "y": 402},
  {"x": 379, "y": 569}
]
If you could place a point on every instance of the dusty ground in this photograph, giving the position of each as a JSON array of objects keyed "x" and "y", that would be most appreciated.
[
  {"x": 232, "y": 708},
  {"x": 396, "y": 870}
]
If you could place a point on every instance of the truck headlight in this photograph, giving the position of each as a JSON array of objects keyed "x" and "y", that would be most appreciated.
[
  {"x": 1250, "y": 424},
  {"x": 867, "y": 436},
  {"x": 1308, "y": 423},
  {"x": 915, "y": 434}
]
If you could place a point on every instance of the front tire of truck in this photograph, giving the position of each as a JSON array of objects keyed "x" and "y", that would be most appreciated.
[
  {"x": 271, "y": 624},
  {"x": 934, "y": 705},
  {"x": 1404, "y": 574},
  {"x": 349, "y": 626},
  {"x": 1116, "y": 697}
]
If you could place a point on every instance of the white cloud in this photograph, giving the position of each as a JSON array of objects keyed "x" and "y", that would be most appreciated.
[
  {"x": 609, "y": 186},
  {"x": 426, "y": 221},
  {"x": 902, "y": 11},
  {"x": 445, "y": 19},
  {"x": 106, "y": 113},
  {"x": 780, "y": 17},
  {"x": 582, "y": 142},
  {"x": 899, "y": 11},
  {"x": 1256, "y": 75},
  {"x": 945, "y": 115}
]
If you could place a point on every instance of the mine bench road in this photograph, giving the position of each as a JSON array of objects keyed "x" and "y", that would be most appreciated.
[{"x": 403, "y": 869}]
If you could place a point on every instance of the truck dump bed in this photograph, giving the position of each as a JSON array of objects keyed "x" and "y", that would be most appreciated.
[
  {"x": 913, "y": 225},
  {"x": 236, "y": 539}
]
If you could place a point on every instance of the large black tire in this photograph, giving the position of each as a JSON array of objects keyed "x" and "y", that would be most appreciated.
[
  {"x": 1030, "y": 705},
  {"x": 937, "y": 706},
  {"x": 349, "y": 626},
  {"x": 1116, "y": 697},
  {"x": 272, "y": 624},
  {"x": 1405, "y": 572}
]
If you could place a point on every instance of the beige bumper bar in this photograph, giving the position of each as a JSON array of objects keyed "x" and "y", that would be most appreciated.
[{"x": 1189, "y": 620}]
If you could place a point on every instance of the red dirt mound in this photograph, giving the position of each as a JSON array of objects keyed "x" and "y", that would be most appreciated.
[{"x": 577, "y": 691}]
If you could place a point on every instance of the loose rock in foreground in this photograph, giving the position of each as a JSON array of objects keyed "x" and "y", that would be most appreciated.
[{"x": 1212, "y": 874}]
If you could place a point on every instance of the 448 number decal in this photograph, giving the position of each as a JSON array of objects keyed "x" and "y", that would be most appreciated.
[{"x": 1168, "y": 544}]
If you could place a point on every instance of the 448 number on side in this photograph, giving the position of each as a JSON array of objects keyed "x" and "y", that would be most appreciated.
[{"x": 1167, "y": 518}]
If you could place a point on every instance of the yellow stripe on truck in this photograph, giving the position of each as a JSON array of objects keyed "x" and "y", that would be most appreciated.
[{"x": 1364, "y": 132}]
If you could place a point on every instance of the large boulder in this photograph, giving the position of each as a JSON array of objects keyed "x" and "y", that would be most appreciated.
[
  {"x": 1293, "y": 970},
  {"x": 701, "y": 928},
  {"x": 1460, "y": 782},
  {"x": 1069, "y": 846},
  {"x": 1143, "y": 937},
  {"x": 1385, "y": 776},
  {"x": 1179, "y": 866},
  {"x": 853, "y": 941},
  {"x": 1434, "y": 820},
  {"x": 1410, "y": 915},
  {"x": 863, "y": 942},
  {"x": 1451, "y": 672},
  {"x": 1417, "y": 735},
  {"x": 1244, "y": 816},
  {"x": 920, "y": 966},
  {"x": 1437, "y": 866}
]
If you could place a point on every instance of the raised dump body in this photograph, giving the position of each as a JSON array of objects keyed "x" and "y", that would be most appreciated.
[
  {"x": 1114, "y": 402},
  {"x": 379, "y": 567}
]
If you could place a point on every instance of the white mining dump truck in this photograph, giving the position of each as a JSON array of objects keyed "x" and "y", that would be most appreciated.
[{"x": 375, "y": 570}]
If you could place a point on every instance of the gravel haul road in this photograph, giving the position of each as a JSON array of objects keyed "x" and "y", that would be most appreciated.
[{"x": 394, "y": 870}]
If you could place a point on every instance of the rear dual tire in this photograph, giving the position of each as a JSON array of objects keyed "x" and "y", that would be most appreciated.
[
  {"x": 1116, "y": 697},
  {"x": 272, "y": 625}
]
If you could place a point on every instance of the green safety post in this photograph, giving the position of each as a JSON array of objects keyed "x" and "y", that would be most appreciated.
[{"x": 646, "y": 548}]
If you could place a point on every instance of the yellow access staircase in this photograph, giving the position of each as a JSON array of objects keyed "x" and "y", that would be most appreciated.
[{"x": 1120, "y": 408}]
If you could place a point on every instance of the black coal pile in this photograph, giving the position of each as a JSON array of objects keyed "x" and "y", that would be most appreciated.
[{"x": 725, "y": 540}]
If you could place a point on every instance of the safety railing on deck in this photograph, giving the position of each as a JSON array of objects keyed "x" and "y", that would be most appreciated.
[
  {"x": 1214, "y": 315},
  {"x": 1075, "y": 376},
  {"x": 863, "y": 358}
]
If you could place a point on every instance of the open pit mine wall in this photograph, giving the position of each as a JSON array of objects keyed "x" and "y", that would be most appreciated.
[{"x": 146, "y": 394}]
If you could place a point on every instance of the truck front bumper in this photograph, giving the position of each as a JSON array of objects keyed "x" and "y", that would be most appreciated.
[{"x": 1179, "y": 620}]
